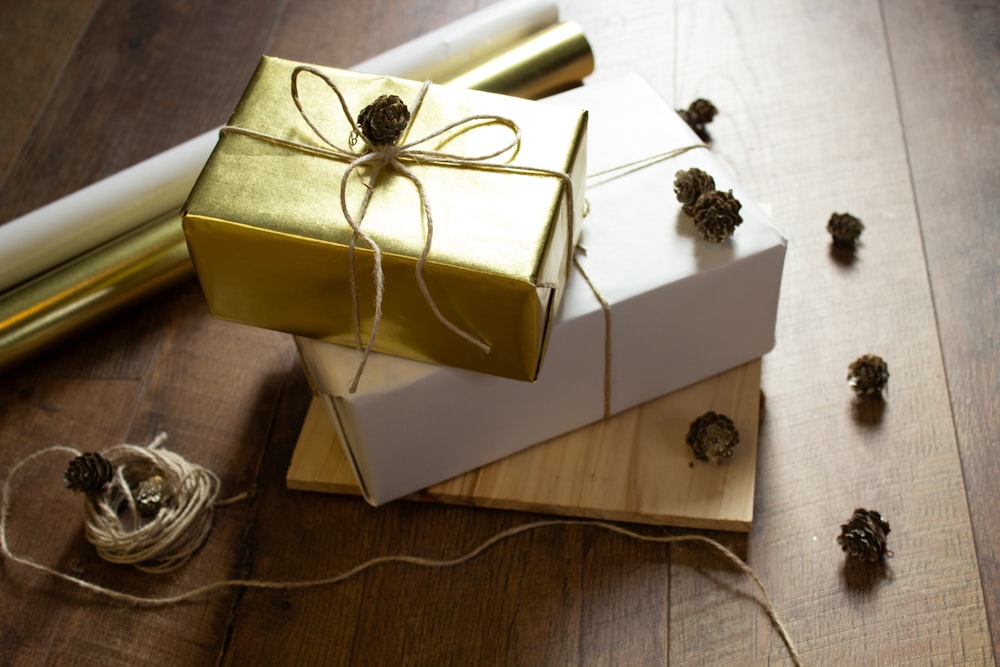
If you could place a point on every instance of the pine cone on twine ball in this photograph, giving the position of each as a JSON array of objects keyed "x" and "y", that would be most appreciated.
[
  {"x": 697, "y": 115},
  {"x": 689, "y": 185},
  {"x": 845, "y": 229},
  {"x": 717, "y": 215},
  {"x": 712, "y": 437},
  {"x": 864, "y": 536},
  {"x": 382, "y": 122},
  {"x": 151, "y": 495},
  {"x": 868, "y": 375},
  {"x": 88, "y": 473}
]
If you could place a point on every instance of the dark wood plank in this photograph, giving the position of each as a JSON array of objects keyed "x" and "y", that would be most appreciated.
[
  {"x": 217, "y": 402},
  {"x": 796, "y": 126},
  {"x": 143, "y": 78},
  {"x": 797, "y": 84},
  {"x": 140, "y": 80},
  {"x": 947, "y": 70},
  {"x": 36, "y": 41}
]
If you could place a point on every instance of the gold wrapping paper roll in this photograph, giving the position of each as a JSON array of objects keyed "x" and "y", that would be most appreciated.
[{"x": 154, "y": 257}]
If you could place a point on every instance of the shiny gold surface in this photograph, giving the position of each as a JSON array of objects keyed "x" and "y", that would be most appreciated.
[
  {"x": 270, "y": 241},
  {"x": 91, "y": 288}
]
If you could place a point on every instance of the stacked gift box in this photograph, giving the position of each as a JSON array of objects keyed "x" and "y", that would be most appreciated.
[{"x": 557, "y": 284}]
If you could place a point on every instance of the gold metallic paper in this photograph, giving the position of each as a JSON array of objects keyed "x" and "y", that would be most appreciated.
[
  {"x": 83, "y": 292},
  {"x": 269, "y": 241},
  {"x": 92, "y": 287}
]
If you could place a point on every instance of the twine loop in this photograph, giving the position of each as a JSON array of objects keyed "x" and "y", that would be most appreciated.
[
  {"x": 195, "y": 506},
  {"x": 114, "y": 521},
  {"x": 397, "y": 157}
]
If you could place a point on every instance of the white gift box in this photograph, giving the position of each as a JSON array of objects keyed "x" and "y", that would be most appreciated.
[{"x": 682, "y": 309}]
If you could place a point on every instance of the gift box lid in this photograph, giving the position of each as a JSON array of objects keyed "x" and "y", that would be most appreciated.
[{"x": 272, "y": 246}]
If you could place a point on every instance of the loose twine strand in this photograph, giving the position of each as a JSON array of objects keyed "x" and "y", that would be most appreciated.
[
  {"x": 189, "y": 529},
  {"x": 593, "y": 180},
  {"x": 393, "y": 157}
]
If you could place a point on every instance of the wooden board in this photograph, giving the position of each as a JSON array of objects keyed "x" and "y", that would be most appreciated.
[{"x": 635, "y": 466}]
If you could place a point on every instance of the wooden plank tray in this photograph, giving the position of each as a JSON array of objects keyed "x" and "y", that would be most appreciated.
[{"x": 633, "y": 467}]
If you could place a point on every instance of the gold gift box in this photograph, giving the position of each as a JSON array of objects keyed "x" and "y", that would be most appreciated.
[{"x": 270, "y": 243}]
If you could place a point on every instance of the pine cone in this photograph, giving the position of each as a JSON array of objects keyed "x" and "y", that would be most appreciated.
[
  {"x": 88, "y": 473},
  {"x": 717, "y": 215},
  {"x": 712, "y": 437},
  {"x": 844, "y": 228},
  {"x": 151, "y": 495},
  {"x": 864, "y": 536},
  {"x": 868, "y": 375},
  {"x": 383, "y": 121},
  {"x": 689, "y": 184},
  {"x": 697, "y": 115}
]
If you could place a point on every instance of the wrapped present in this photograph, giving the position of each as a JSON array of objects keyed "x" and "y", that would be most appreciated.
[
  {"x": 680, "y": 309},
  {"x": 449, "y": 244}
]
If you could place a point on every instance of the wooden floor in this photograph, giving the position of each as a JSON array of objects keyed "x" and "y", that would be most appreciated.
[{"x": 889, "y": 110}]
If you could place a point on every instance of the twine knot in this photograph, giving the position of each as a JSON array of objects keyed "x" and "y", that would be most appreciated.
[{"x": 382, "y": 127}]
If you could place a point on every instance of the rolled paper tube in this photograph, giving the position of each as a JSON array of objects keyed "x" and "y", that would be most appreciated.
[
  {"x": 57, "y": 232},
  {"x": 553, "y": 59},
  {"x": 91, "y": 287},
  {"x": 444, "y": 53},
  {"x": 127, "y": 269}
]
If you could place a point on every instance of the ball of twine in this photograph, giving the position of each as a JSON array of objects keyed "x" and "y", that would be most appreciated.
[{"x": 122, "y": 533}]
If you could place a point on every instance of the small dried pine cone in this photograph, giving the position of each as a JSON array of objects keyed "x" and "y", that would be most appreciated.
[
  {"x": 717, "y": 215},
  {"x": 844, "y": 228},
  {"x": 88, "y": 473},
  {"x": 697, "y": 115},
  {"x": 712, "y": 437},
  {"x": 868, "y": 375},
  {"x": 864, "y": 536},
  {"x": 689, "y": 184},
  {"x": 702, "y": 111},
  {"x": 151, "y": 495},
  {"x": 383, "y": 121}
]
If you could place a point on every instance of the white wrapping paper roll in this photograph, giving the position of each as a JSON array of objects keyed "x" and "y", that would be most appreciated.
[{"x": 85, "y": 219}]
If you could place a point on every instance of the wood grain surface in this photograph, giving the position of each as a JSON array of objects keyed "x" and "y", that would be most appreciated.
[
  {"x": 889, "y": 110},
  {"x": 634, "y": 466}
]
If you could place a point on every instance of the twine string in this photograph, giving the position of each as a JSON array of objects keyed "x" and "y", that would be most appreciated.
[
  {"x": 393, "y": 157},
  {"x": 600, "y": 178},
  {"x": 193, "y": 520},
  {"x": 606, "y": 309}
]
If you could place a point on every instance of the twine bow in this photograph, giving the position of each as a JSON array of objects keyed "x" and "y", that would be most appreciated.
[{"x": 396, "y": 157}]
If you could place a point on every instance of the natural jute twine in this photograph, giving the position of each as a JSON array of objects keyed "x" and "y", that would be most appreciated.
[
  {"x": 594, "y": 180},
  {"x": 178, "y": 534},
  {"x": 396, "y": 157}
]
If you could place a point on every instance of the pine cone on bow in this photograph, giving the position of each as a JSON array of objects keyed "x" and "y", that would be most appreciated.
[
  {"x": 864, "y": 536},
  {"x": 689, "y": 184},
  {"x": 868, "y": 375},
  {"x": 712, "y": 437},
  {"x": 845, "y": 229},
  {"x": 717, "y": 215},
  {"x": 697, "y": 115},
  {"x": 382, "y": 122},
  {"x": 88, "y": 473}
]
